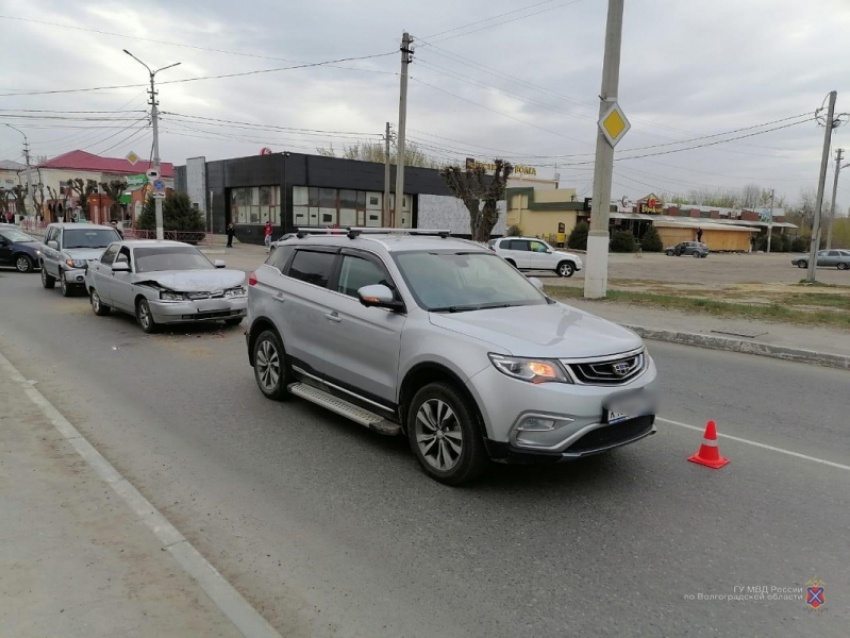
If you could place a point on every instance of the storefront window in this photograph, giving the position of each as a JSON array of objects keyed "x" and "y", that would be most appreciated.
[
  {"x": 255, "y": 205},
  {"x": 314, "y": 206}
]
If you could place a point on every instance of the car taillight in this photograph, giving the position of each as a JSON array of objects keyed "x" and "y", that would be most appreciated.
[{"x": 252, "y": 279}]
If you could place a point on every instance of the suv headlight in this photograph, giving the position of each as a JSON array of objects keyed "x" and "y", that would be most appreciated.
[
  {"x": 239, "y": 291},
  {"x": 75, "y": 263},
  {"x": 169, "y": 295},
  {"x": 531, "y": 370}
]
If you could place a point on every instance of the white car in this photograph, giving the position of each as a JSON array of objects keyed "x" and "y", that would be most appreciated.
[{"x": 530, "y": 253}]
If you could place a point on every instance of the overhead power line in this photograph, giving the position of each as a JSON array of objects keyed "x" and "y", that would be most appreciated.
[
  {"x": 201, "y": 78},
  {"x": 266, "y": 126}
]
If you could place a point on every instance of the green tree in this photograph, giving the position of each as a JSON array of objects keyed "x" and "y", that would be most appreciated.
[
  {"x": 513, "y": 231},
  {"x": 623, "y": 241},
  {"x": 651, "y": 242},
  {"x": 578, "y": 236},
  {"x": 178, "y": 215},
  {"x": 480, "y": 193}
]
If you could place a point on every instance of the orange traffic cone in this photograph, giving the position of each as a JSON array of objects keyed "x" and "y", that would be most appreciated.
[{"x": 709, "y": 454}]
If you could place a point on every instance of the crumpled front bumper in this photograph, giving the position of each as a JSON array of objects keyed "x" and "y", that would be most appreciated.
[{"x": 201, "y": 310}]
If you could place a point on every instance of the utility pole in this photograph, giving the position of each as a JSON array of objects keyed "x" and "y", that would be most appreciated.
[
  {"x": 160, "y": 231},
  {"x": 406, "y": 59},
  {"x": 596, "y": 274},
  {"x": 827, "y": 140},
  {"x": 839, "y": 155},
  {"x": 387, "y": 138},
  {"x": 30, "y": 192},
  {"x": 770, "y": 221}
]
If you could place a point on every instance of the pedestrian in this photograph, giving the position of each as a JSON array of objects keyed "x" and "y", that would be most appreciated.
[
  {"x": 699, "y": 235},
  {"x": 114, "y": 225},
  {"x": 231, "y": 231},
  {"x": 268, "y": 239}
]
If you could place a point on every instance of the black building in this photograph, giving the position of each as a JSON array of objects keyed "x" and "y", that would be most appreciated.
[{"x": 295, "y": 190}]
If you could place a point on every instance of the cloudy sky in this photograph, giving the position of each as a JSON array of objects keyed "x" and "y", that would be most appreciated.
[{"x": 517, "y": 79}]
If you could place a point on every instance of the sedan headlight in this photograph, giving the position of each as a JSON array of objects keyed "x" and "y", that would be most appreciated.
[
  {"x": 75, "y": 263},
  {"x": 170, "y": 295},
  {"x": 239, "y": 291},
  {"x": 531, "y": 370}
]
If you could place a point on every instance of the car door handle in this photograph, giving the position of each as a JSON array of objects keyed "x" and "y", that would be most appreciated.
[
  {"x": 332, "y": 316},
  {"x": 279, "y": 298}
]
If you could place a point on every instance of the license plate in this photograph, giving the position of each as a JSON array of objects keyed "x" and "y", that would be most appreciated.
[{"x": 629, "y": 406}]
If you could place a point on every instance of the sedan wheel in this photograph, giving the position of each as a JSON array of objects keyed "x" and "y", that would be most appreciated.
[
  {"x": 46, "y": 280},
  {"x": 270, "y": 366},
  {"x": 23, "y": 263},
  {"x": 802, "y": 264},
  {"x": 99, "y": 309},
  {"x": 445, "y": 435},
  {"x": 696, "y": 255},
  {"x": 145, "y": 317}
]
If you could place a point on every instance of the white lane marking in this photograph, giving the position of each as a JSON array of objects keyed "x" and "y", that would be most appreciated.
[
  {"x": 763, "y": 446},
  {"x": 239, "y": 611}
]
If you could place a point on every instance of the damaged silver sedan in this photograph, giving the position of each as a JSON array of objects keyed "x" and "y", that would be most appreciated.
[{"x": 165, "y": 282}]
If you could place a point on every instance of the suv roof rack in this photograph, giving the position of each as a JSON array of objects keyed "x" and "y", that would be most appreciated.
[{"x": 356, "y": 231}]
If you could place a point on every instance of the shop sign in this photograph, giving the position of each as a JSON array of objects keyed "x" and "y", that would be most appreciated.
[
  {"x": 651, "y": 206},
  {"x": 471, "y": 164}
]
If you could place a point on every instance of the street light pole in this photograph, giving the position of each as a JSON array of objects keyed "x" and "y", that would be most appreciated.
[
  {"x": 770, "y": 221},
  {"x": 596, "y": 274},
  {"x": 839, "y": 155},
  {"x": 406, "y": 57},
  {"x": 827, "y": 140},
  {"x": 160, "y": 231},
  {"x": 30, "y": 193}
]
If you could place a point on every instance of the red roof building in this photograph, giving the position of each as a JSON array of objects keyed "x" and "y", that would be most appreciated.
[{"x": 88, "y": 162}]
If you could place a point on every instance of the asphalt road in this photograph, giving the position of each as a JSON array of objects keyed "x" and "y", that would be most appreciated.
[{"x": 330, "y": 530}]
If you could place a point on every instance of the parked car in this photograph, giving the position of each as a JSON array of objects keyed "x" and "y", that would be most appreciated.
[
  {"x": 165, "y": 282},
  {"x": 529, "y": 253},
  {"x": 695, "y": 248},
  {"x": 826, "y": 259},
  {"x": 18, "y": 249},
  {"x": 440, "y": 339},
  {"x": 67, "y": 251}
]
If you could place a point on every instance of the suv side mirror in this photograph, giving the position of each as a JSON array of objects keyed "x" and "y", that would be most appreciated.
[
  {"x": 53, "y": 244},
  {"x": 379, "y": 296}
]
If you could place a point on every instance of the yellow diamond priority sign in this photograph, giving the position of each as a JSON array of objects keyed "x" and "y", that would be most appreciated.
[
  {"x": 132, "y": 158},
  {"x": 614, "y": 124}
]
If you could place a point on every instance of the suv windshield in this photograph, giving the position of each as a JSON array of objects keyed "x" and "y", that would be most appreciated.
[
  {"x": 15, "y": 235},
  {"x": 455, "y": 282},
  {"x": 171, "y": 258},
  {"x": 92, "y": 238}
]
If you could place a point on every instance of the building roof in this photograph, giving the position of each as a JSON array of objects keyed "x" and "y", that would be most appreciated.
[
  {"x": 82, "y": 161},
  {"x": 9, "y": 165}
]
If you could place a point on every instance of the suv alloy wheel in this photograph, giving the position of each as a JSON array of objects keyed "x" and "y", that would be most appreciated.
[{"x": 270, "y": 366}]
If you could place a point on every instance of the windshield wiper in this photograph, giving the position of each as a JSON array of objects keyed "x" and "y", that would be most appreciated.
[{"x": 482, "y": 306}]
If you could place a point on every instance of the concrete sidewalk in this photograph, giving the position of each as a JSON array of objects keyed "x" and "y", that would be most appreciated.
[
  {"x": 819, "y": 346},
  {"x": 75, "y": 561}
]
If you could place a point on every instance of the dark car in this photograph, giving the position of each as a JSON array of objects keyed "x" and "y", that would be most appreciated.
[
  {"x": 18, "y": 250},
  {"x": 695, "y": 248}
]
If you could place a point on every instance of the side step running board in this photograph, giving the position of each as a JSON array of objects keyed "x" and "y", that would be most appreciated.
[{"x": 328, "y": 401}]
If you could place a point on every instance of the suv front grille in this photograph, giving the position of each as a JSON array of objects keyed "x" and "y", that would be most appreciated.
[{"x": 609, "y": 371}]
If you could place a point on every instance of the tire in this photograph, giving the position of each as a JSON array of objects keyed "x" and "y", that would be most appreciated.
[
  {"x": 802, "y": 264},
  {"x": 670, "y": 253},
  {"x": 233, "y": 322},
  {"x": 697, "y": 255},
  {"x": 67, "y": 289},
  {"x": 99, "y": 308},
  {"x": 565, "y": 269},
  {"x": 439, "y": 421},
  {"x": 46, "y": 280},
  {"x": 843, "y": 266},
  {"x": 145, "y": 317},
  {"x": 23, "y": 263},
  {"x": 270, "y": 370}
]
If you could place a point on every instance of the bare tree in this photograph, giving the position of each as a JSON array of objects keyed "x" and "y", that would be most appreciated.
[
  {"x": 115, "y": 190},
  {"x": 375, "y": 152},
  {"x": 19, "y": 198},
  {"x": 480, "y": 193},
  {"x": 83, "y": 189}
]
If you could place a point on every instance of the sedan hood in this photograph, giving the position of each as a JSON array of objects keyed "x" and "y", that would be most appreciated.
[
  {"x": 196, "y": 280},
  {"x": 84, "y": 253},
  {"x": 553, "y": 331}
]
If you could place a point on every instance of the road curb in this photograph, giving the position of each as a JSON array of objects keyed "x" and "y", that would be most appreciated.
[{"x": 798, "y": 355}]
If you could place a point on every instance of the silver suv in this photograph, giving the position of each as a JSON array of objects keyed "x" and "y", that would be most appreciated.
[{"x": 441, "y": 340}]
